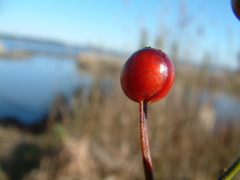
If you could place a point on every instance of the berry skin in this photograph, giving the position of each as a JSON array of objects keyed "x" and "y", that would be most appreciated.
[
  {"x": 236, "y": 8},
  {"x": 147, "y": 75}
]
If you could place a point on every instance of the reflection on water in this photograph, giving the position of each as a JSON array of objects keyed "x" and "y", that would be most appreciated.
[{"x": 28, "y": 87}]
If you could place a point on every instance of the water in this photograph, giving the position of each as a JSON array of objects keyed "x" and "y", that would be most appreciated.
[
  {"x": 28, "y": 87},
  {"x": 227, "y": 107}
]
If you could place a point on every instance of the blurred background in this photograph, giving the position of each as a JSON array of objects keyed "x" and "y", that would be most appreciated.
[{"x": 63, "y": 115}]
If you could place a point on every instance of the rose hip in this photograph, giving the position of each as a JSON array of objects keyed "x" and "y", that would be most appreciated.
[
  {"x": 236, "y": 8},
  {"x": 146, "y": 77}
]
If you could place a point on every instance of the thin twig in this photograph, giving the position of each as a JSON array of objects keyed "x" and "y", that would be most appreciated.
[
  {"x": 147, "y": 162},
  {"x": 231, "y": 171}
]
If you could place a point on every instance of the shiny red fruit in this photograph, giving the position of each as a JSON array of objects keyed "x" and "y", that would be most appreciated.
[
  {"x": 147, "y": 75},
  {"x": 236, "y": 8}
]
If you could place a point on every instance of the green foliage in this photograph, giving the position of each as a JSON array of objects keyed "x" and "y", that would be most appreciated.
[{"x": 59, "y": 132}]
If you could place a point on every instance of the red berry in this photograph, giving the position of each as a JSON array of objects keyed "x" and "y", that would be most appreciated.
[
  {"x": 147, "y": 75},
  {"x": 236, "y": 8}
]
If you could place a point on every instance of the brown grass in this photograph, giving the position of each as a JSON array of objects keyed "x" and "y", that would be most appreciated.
[{"x": 100, "y": 139}]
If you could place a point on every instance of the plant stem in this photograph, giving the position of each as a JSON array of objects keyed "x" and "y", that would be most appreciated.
[
  {"x": 147, "y": 162},
  {"x": 231, "y": 171}
]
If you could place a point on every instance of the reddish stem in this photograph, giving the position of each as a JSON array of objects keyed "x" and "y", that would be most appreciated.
[{"x": 147, "y": 162}]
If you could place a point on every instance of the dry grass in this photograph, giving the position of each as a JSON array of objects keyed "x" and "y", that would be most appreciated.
[{"x": 100, "y": 139}]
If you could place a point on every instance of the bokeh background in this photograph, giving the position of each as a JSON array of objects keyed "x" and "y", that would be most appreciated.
[{"x": 64, "y": 116}]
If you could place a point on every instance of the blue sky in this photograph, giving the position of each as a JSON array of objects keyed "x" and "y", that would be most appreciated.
[{"x": 199, "y": 28}]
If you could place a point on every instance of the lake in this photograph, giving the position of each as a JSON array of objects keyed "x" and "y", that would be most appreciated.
[{"x": 28, "y": 87}]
